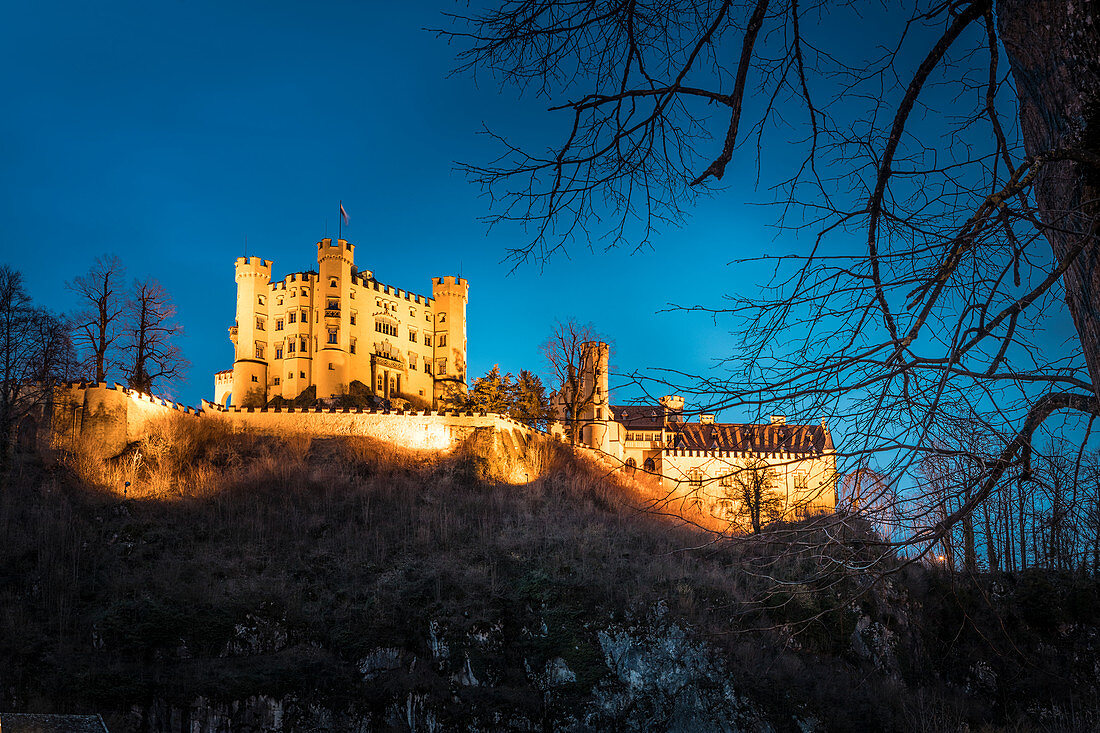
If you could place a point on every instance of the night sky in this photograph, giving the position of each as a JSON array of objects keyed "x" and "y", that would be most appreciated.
[{"x": 168, "y": 132}]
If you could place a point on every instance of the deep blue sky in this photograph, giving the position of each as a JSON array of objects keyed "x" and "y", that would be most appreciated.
[{"x": 167, "y": 132}]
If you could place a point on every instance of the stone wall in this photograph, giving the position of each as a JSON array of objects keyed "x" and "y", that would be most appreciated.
[{"x": 111, "y": 417}]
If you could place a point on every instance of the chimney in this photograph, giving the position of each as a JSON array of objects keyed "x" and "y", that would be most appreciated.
[
  {"x": 706, "y": 419},
  {"x": 779, "y": 419}
]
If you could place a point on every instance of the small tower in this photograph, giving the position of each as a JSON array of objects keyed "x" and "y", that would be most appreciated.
[
  {"x": 250, "y": 332},
  {"x": 595, "y": 415},
  {"x": 450, "y": 294},
  {"x": 335, "y": 263}
]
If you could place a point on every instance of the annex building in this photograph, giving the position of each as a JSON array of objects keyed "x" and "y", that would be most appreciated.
[
  {"x": 330, "y": 327},
  {"x": 704, "y": 461}
]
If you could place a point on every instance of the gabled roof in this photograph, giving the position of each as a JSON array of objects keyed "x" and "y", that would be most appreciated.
[
  {"x": 639, "y": 417},
  {"x": 796, "y": 439}
]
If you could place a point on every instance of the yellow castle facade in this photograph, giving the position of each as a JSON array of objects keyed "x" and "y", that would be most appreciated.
[{"x": 330, "y": 327}]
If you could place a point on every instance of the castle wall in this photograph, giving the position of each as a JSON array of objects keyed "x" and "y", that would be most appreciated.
[
  {"x": 816, "y": 474},
  {"x": 416, "y": 430}
]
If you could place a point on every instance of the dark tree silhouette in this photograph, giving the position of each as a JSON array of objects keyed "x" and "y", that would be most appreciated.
[
  {"x": 968, "y": 185},
  {"x": 35, "y": 353},
  {"x": 97, "y": 323},
  {"x": 151, "y": 331}
]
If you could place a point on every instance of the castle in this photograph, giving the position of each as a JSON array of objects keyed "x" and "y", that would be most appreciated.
[
  {"x": 337, "y": 325},
  {"x": 704, "y": 461},
  {"x": 320, "y": 332}
]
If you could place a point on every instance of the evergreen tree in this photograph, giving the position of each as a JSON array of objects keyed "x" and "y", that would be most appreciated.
[
  {"x": 493, "y": 392},
  {"x": 531, "y": 405}
]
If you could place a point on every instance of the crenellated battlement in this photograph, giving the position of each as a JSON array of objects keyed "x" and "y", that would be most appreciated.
[{"x": 253, "y": 266}]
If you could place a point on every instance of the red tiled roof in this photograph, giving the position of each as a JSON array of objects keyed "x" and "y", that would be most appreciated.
[{"x": 803, "y": 439}]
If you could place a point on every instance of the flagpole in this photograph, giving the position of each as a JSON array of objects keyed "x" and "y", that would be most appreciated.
[{"x": 340, "y": 229}]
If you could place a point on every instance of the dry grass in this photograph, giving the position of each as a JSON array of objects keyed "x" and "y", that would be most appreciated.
[{"x": 350, "y": 544}]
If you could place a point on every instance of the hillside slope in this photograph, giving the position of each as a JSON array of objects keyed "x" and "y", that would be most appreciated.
[{"x": 247, "y": 583}]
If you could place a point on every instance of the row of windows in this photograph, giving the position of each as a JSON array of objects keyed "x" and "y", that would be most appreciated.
[
  {"x": 696, "y": 478},
  {"x": 334, "y": 282}
]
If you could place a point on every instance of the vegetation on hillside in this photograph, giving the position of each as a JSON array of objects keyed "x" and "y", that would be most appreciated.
[{"x": 352, "y": 577}]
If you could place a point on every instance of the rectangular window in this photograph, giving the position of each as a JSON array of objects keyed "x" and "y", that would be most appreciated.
[
  {"x": 332, "y": 367},
  {"x": 278, "y": 324},
  {"x": 259, "y": 324},
  {"x": 277, "y": 381},
  {"x": 427, "y": 339},
  {"x": 259, "y": 351},
  {"x": 332, "y": 336},
  {"x": 333, "y": 304},
  {"x": 441, "y": 366},
  {"x": 352, "y": 317},
  {"x": 351, "y": 295},
  {"x": 305, "y": 345},
  {"x": 290, "y": 375},
  {"x": 278, "y": 352},
  {"x": 381, "y": 384},
  {"x": 290, "y": 346},
  {"x": 292, "y": 316},
  {"x": 412, "y": 335},
  {"x": 351, "y": 346},
  {"x": 800, "y": 480},
  {"x": 305, "y": 292},
  {"x": 427, "y": 367},
  {"x": 301, "y": 375},
  {"x": 695, "y": 478},
  {"x": 412, "y": 360},
  {"x": 442, "y": 340},
  {"x": 726, "y": 480},
  {"x": 260, "y": 299}
]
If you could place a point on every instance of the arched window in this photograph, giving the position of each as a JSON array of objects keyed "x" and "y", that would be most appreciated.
[
  {"x": 650, "y": 465},
  {"x": 631, "y": 466}
]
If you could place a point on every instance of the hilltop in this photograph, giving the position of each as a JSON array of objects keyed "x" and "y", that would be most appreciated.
[{"x": 245, "y": 582}]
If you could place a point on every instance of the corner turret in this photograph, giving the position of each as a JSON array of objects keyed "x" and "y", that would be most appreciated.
[{"x": 451, "y": 294}]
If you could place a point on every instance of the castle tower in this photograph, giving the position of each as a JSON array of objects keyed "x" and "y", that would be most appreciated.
[
  {"x": 335, "y": 262},
  {"x": 250, "y": 333},
  {"x": 596, "y": 415},
  {"x": 449, "y": 346}
]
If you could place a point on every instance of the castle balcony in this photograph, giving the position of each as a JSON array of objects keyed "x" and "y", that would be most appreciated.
[{"x": 332, "y": 312}]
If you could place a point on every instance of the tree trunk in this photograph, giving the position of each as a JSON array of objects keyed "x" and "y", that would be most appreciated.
[{"x": 1054, "y": 50}]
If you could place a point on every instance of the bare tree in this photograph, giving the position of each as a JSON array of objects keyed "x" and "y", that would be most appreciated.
[
  {"x": 910, "y": 147},
  {"x": 565, "y": 354},
  {"x": 151, "y": 331},
  {"x": 753, "y": 486},
  {"x": 97, "y": 323},
  {"x": 35, "y": 353}
]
